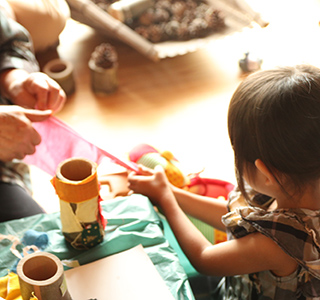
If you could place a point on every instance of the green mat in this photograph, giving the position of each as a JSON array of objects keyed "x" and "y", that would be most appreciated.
[{"x": 131, "y": 221}]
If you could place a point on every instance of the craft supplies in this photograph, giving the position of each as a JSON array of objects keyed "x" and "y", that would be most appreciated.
[
  {"x": 60, "y": 142},
  {"x": 41, "y": 275},
  {"x": 77, "y": 187},
  {"x": 62, "y": 72},
  {"x": 150, "y": 157},
  {"x": 214, "y": 188},
  {"x": 103, "y": 66},
  {"x": 129, "y": 274}
]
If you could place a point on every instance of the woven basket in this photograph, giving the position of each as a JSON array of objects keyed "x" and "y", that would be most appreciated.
[{"x": 238, "y": 15}]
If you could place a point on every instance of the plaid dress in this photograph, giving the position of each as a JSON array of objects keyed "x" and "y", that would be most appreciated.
[
  {"x": 296, "y": 231},
  {"x": 16, "y": 52}
]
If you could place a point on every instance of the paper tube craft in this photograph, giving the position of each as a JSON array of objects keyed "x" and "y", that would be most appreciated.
[
  {"x": 60, "y": 146},
  {"x": 77, "y": 187},
  {"x": 41, "y": 275}
]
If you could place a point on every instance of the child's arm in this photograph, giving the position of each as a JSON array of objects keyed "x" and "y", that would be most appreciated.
[
  {"x": 252, "y": 253},
  {"x": 249, "y": 254},
  {"x": 207, "y": 209}
]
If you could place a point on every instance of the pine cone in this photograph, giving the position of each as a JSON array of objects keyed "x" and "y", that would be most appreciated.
[{"x": 105, "y": 56}]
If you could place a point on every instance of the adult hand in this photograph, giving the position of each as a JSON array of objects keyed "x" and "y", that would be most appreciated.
[
  {"x": 35, "y": 90},
  {"x": 17, "y": 136}
]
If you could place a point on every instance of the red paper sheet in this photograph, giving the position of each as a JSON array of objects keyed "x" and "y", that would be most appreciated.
[{"x": 60, "y": 142}]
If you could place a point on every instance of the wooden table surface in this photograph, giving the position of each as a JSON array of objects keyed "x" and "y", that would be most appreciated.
[{"x": 180, "y": 104}]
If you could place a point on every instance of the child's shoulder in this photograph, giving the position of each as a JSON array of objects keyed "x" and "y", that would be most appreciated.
[{"x": 295, "y": 231}]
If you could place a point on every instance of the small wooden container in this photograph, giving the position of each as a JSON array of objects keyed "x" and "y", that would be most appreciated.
[{"x": 103, "y": 66}]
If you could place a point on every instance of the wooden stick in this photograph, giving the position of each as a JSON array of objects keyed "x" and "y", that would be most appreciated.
[
  {"x": 255, "y": 15},
  {"x": 106, "y": 22}
]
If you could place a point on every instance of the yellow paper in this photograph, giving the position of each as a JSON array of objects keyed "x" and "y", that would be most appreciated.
[
  {"x": 87, "y": 211},
  {"x": 9, "y": 287},
  {"x": 70, "y": 223}
]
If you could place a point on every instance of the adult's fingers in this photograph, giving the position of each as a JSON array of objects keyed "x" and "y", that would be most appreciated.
[
  {"x": 47, "y": 92},
  {"x": 36, "y": 115}
]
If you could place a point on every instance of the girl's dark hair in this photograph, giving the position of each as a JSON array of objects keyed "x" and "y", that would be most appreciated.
[{"x": 274, "y": 115}]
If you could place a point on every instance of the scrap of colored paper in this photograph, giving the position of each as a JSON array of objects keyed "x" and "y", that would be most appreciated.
[{"x": 60, "y": 142}]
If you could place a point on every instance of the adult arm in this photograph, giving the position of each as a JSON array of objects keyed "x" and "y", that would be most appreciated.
[{"x": 20, "y": 79}]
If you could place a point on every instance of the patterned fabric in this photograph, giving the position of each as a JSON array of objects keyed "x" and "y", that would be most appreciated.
[
  {"x": 15, "y": 52},
  {"x": 16, "y": 172},
  {"x": 296, "y": 231}
]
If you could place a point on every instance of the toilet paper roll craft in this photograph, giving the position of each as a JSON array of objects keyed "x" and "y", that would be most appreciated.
[
  {"x": 150, "y": 157},
  {"x": 250, "y": 63},
  {"x": 41, "y": 276},
  {"x": 103, "y": 66},
  {"x": 62, "y": 72},
  {"x": 77, "y": 187}
]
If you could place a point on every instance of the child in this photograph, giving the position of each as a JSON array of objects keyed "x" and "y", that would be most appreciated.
[{"x": 273, "y": 217}]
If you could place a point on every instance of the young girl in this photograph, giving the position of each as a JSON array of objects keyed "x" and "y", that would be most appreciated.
[{"x": 273, "y": 217}]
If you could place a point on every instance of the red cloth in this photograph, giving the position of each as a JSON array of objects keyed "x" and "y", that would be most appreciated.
[{"x": 60, "y": 142}]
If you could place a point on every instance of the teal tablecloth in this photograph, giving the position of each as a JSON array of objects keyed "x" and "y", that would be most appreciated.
[{"x": 131, "y": 221}]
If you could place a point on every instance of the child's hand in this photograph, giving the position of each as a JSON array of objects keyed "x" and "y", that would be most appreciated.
[{"x": 153, "y": 184}]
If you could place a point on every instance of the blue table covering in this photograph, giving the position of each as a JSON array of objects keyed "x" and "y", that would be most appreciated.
[{"x": 132, "y": 221}]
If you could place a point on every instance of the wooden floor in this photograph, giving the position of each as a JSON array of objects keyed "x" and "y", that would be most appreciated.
[{"x": 180, "y": 104}]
